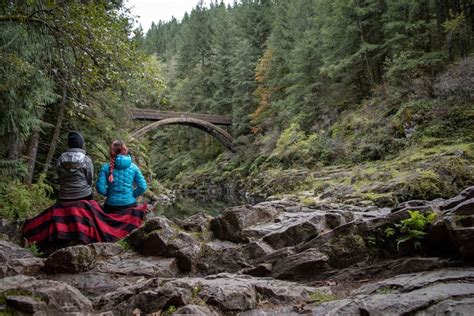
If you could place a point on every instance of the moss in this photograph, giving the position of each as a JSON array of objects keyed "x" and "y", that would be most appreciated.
[
  {"x": 8, "y": 311},
  {"x": 124, "y": 244},
  {"x": 18, "y": 292},
  {"x": 386, "y": 290},
  {"x": 344, "y": 250},
  {"x": 319, "y": 297}
]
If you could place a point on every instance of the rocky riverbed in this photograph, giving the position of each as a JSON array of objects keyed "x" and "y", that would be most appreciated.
[{"x": 274, "y": 258}]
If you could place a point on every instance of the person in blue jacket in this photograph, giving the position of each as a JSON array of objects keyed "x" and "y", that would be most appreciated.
[{"x": 120, "y": 180}]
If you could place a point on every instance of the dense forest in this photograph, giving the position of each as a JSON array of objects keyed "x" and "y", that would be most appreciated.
[
  {"x": 311, "y": 83},
  {"x": 384, "y": 88}
]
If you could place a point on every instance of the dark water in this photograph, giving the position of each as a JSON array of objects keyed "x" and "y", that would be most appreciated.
[{"x": 186, "y": 205}]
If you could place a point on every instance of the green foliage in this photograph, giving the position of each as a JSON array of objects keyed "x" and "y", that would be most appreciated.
[
  {"x": 124, "y": 244},
  {"x": 170, "y": 310},
  {"x": 319, "y": 297},
  {"x": 20, "y": 201},
  {"x": 12, "y": 168},
  {"x": 34, "y": 249},
  {"x": 413, "y": 228},
  {"x": 385, "y": 290}
]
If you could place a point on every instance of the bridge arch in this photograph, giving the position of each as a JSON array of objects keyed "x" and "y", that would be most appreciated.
[{"x": 218, "y": 133}]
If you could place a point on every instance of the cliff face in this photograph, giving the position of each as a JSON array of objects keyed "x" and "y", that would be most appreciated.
[{"x": 277, "y": 257}]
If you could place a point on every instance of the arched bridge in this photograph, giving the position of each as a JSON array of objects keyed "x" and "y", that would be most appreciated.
[{"x": 205, "y": 122}]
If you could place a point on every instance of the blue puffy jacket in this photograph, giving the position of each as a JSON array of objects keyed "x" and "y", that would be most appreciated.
[{"x": 121, "y": 191}]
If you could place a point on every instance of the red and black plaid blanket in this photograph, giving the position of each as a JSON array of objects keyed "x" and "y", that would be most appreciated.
[{"x": 82, "y": 221}]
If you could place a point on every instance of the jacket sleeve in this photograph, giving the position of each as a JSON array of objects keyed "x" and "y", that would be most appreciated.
[
  {"x": 102, "y": 185},
  {"x": 89, "y": 171},
  {"x": 140, "y": 181}
]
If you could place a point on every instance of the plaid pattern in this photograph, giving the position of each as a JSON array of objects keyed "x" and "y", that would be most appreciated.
[{"x": 82, "y": 221}]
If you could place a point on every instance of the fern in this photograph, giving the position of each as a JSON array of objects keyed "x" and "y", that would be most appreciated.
[
  {"x": 12, "y": 168},
  {"x": 19, "y": 201}
]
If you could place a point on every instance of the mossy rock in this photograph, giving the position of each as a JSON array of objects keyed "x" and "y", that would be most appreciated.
[{"x": 346, "y": 250}]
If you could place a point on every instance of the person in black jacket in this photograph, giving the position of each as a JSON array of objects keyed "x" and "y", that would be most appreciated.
[{"x": 75, "y": 171}]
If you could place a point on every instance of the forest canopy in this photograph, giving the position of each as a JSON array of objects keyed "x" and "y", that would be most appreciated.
[{"x": 307, "y": 83}]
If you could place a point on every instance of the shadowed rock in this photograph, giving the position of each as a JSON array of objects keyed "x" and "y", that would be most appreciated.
[{"x": 301, "y": 265}]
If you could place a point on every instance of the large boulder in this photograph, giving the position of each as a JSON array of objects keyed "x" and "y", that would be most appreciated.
[
  {"x": 221, "y": 256},
  {"x": 80, "y": 258},
  {"x": 161, "y": 237},
  {"x": 16, "y": 260},
  {"x": 290, "y": 229},
  {"x": 29, "y": 295},
  {"x": 230, "y": 224}
]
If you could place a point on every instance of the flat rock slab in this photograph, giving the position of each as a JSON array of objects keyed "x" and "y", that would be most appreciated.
[
  {"x": 412, "y": 281},
  {"x": 424, "y": 293},
  {"x": 131, "y": 264}
]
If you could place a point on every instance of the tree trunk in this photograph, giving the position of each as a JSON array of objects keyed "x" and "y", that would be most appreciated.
[
  {"x": 32, "y": 152},
  {"x": 57, "y": 130},
  {"x": 14, "y": 147}
]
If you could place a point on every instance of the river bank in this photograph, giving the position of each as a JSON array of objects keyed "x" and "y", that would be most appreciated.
[{"x": 426, "y": 171}]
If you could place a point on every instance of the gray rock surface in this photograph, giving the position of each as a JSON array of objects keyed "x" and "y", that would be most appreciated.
[
  {"x": 49, "y": 297},
  {"x": 230, "y": 224},
  {"x": 15, "y": 260},
  {"x": 80, "y": 258},
  {"x": 161, "y": 237},
  {"x": 334, "y": 252},
  {"x": 424, "y": 293},
  {"x": 196, "y": 310}
]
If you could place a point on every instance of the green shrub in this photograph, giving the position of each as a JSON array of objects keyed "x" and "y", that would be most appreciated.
[
  {"x": 19, "y": 201},
  {"x": 412, "y": 228}
]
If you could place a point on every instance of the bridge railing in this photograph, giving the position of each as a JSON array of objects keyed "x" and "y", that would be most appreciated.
[{"x": 154, "y": 115}]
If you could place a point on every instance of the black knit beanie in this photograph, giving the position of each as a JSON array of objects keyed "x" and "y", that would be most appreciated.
[{"x": 75, "y": 140}]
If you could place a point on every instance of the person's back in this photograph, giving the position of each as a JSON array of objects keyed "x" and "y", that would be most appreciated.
[
  {"x": 116, "y": 180},
  {"x": 75, "y": 171}
]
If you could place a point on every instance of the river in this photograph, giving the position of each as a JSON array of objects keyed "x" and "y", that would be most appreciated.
[{"x": 187, "y": 204}]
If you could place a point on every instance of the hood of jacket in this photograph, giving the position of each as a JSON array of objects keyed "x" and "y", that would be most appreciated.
[
  {"x": 74, "y": 158},
  {"x": 123, "y": 161}
]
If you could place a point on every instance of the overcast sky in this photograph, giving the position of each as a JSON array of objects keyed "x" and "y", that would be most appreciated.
[{"x": 155, "y": 10}]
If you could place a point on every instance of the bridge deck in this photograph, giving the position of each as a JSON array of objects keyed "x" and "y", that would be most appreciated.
[{"x": 154, "y": 115}]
